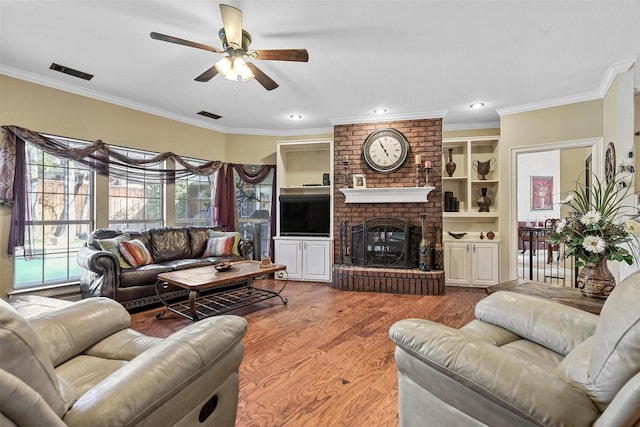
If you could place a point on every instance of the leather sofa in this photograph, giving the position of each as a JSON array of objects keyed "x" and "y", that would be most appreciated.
[
  {"x": 81, "y": 365},
  {"x": 171, "y": 248},
  {"x": 524, "y": 361}
]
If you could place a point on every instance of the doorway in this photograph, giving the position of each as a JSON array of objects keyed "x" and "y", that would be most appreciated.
[{"x": 543, "y": 174}]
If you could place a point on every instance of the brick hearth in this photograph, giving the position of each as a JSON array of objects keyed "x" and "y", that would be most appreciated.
[{"x": 389, "y": 280}]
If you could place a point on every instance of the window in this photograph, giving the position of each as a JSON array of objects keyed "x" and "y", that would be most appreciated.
[
  {"x": 136, "y": 195},
  {"x": 61, "y": 208},
  {"x": 194, "y": 197},
  {"x": 253, "y": 203}
]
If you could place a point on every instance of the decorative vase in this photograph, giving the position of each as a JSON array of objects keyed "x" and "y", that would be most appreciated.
[
  {"x": 483, "y": 168},
  {"x": 595, "y": 280},
  {"x": 484, "y": 201},
  {"x": 424, "y": 249},
  {"x": 437, "y": 253},
  {"x": 451, "y": 165}
]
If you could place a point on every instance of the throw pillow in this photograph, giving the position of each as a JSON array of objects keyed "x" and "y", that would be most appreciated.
[
  {"x": 111, "y": 245},
  {"x": 219, "y": 246},
  {"x": 135, "y": 252},
  {"x": 236, "y": 239}
]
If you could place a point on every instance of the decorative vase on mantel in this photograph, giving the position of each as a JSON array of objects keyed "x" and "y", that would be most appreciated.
[
  {"x": 450, "y": 167},
  {"x": 595, "y": 280},
  {"x": 424, "y": 249}
]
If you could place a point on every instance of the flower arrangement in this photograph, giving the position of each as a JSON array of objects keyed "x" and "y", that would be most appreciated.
[{"x": 596, "y": 228}]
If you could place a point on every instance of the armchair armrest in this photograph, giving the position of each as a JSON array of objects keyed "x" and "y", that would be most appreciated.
[
  {"x": 188, "y": 366},
  {"x": 100, "y": 272},
  {"x": 486, "y": 372},
  {"x": 550, "y": 324}
]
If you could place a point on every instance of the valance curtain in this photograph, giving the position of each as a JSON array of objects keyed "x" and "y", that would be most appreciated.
[
  {"x": 98, "y": 156},
  {"x": 225, "y": 197}
]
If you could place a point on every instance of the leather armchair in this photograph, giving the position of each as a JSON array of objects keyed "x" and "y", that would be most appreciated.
[
  {"x": 80, "y": 365},
  {"x": 524, "y": 361}
]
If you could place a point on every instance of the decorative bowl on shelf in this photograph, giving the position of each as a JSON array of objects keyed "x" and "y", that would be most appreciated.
[
  {"x": 222, "y": 266},
  {"x": 456, "y": 235}
]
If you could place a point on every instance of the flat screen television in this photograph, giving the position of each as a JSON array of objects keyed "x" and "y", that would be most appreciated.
[{"x": 305, "y": 215}]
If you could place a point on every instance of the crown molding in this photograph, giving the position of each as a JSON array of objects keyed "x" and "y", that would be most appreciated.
[
  {"x": 612, "y": 71},
  {"x": 389, "y": 117},
  {"x": 89, "y": 93},
  {"x": 468, "y": 126}
]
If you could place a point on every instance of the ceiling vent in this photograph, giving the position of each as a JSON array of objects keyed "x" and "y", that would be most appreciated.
[
  {"x": 71, "y": 71},
  {"x": 210, "y": 115}
]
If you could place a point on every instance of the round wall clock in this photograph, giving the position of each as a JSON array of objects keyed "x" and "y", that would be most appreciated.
[
  {"x": 610, "y": 163},
  {"x": 385, "y": 150}
]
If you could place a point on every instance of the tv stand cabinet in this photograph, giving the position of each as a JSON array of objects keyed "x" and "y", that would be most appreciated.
[{"x": 306, "y": 258}]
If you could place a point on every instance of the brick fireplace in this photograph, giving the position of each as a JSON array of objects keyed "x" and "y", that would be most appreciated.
[{"x": 425, "y": 139}]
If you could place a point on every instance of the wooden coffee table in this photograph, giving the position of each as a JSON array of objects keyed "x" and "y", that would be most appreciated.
[
  {"x": 212, "y": 292},
  {"x": 563, "y": 295}
]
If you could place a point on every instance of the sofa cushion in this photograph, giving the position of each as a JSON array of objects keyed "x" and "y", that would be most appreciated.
[
  {"x": 219, "y": 246},
  {"x": 170, "y": 243},
  {"x": 236, "y": 239},
  {"x": 143, "y": 275},
  {"x": 23, "y": 355},
  {"x": 615, "y": 356},
  {"x": 135, "y": 252},
  {"x": 112, "y": 245},
  {"x": 198, "y": 237}
]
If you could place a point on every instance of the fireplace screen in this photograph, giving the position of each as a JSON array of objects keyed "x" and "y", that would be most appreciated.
[{"x": 385, "y": 243}]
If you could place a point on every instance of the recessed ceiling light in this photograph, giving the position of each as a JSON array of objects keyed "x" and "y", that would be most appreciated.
[
  {"x": 476, "y": 105},
  {"x": 295, "y": 116},
  {"x": 380, "y": 111}
]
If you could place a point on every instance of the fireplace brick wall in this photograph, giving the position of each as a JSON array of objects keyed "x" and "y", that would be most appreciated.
[{"x": 425, "y": 138}]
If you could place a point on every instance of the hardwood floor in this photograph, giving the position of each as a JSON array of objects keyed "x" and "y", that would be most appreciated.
[{"x": 325, "y": 358}]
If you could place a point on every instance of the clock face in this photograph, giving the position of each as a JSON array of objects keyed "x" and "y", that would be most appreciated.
[
  {"x": 610, "y": 163},
  {"x": 385, "y": 150}
]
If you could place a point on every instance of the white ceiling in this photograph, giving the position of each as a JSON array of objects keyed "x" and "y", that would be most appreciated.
[{"x": 416, "y": 58}]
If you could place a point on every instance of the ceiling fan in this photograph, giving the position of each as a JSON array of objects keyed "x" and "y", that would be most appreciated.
[{"x": 235, "y": 43}]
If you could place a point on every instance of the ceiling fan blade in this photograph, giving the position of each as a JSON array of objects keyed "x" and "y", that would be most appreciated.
[
  {"x": 207, "y": 75},
  {"x": 232, "y": 23},
  {"x": 171, "y": 39},
  {"x": 262, "y": 78},
  {"x": 299, "y": 55}
]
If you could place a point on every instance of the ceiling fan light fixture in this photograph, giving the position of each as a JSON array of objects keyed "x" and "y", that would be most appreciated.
[{"x": 235, "y": 69}]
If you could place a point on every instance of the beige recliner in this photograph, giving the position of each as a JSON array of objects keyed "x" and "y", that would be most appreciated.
[
  {"x": 81, "y": 365},
  {"x": 525, "y": 361}
]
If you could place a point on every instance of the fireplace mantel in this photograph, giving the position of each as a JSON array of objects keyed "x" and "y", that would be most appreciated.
[{"x": 386, "y": 195}]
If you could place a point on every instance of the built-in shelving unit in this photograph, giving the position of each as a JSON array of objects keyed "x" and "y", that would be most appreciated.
[{"x": 301, "y": 167}]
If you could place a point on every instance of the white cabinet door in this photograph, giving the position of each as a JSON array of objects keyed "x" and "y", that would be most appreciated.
[
  {"x": 457, "y": 263},
  {"x": 485, "y": 263},
  {"x": 316, "y": 262},
  {"x": 289, "y": 253}
]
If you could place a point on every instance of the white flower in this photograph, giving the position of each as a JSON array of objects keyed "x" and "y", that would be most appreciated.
[
  {"x": 567, "y": 199},
  {"x": 591, "y": 218},
  {"x": 633, "y": 227},
  {"x": 594, "y": 244},
  {"x": 561, "y": 225}
]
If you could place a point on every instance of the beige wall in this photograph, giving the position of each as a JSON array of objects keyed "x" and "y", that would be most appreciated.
[
  {"x": 564, "y": 123},
  {"x": 53, "y": 111}
]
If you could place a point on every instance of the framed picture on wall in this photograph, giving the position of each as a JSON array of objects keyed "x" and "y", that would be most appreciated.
[{"x": 541, "y": 191}]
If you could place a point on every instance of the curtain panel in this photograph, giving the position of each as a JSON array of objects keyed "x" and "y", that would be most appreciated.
[{"x": 98, "y": 156}]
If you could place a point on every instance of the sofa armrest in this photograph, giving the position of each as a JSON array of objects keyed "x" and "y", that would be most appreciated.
[
  {"x": 527, "y": 390},
  {"x": 164, "y": 373},
  {"x": 550, "y": 324},
  {"x": 69, "y": 330},
  {"x": 100, "y": 274},
  {"x": 23, "y": 406},
  {"x": 245, "y": 247}
]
